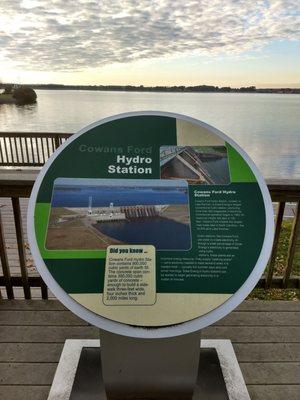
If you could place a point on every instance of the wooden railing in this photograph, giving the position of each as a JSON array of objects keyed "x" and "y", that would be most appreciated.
[
  {"x": 18, "y": 185},
  {"x": 281, "y": 192},
  {"x": 30, "y": 149},
  {"x": 284, "y": 192}
]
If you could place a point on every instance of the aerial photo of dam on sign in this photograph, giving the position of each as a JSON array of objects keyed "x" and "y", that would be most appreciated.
[
  {"x": 196, "y": 164},
  {"x": 88, "y": 214}
]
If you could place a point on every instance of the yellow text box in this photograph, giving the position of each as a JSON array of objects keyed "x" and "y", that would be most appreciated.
[{"x": 130, "y": 276}]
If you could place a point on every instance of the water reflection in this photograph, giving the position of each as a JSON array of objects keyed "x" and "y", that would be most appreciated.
[
  {"x": 265, "y": 125},
  {"x": 17, "y": 117}
]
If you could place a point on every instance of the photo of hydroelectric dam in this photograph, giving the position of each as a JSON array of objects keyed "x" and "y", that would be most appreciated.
[
  {"x": 198, "y": 165},
  {"x": 157, "y": 215}
]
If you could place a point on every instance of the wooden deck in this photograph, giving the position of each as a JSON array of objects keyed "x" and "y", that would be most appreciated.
[{"x": 265, "y": 335}]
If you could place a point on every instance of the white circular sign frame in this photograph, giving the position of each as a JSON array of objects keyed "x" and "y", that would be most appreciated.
[{"x": 166, "y": 331}]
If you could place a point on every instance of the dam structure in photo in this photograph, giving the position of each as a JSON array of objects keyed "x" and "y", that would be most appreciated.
[
  {"x": 117, "y": 213},
  {"x": 93, "y": 215},
  {"x": 196, "y": 164}
]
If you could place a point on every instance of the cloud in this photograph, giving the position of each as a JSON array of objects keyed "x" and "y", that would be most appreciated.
[{"x": 70, "y": 36}]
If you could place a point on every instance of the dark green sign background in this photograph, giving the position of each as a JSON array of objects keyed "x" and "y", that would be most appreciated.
[{"x": 83, "y": 271}]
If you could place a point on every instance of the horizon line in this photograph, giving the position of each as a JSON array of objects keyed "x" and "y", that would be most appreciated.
[{"x": 143, "y": 87}]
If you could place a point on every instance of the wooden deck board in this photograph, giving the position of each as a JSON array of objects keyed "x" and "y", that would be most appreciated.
[
  {"x": 267, "y": 352},
  {"x": 40, "y": 318},
  {"x": 247, "y": 306},
  {"x": 287, "y": 373},
  {"x": 58, "y": 334},
  {"x": 238, "y": 318},
  {"x": 257, "y": 392},
  {"x": 32, "y": 305},
  {"x": 32, "y": 334},
  {"x": 254, "y": 374},
  {"x": 274, "y": 392},
  {"x": 30, "y": 352},
  {"x": 245, "y": 352},
  {"x": 24, "y": 392},
  {"x": 27, "y": 373}
]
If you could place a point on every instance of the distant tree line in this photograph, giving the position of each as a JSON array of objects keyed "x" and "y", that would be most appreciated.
[{"x": 176, "y": 89}]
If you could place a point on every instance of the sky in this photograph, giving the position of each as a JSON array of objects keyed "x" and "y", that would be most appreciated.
[{"x": 151, "y": 42}]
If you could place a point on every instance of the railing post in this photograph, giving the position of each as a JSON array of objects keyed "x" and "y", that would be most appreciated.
[
  {"x": 4, "y": 263},
  {"x": 21, "y": 247},
  {"x": 44, "y": 290},
  {"x": 1, "y": 151},
  {"x": 279, "y": 219},
  {"x": 292, "y": 247},
  {"x": 6, "y": 151},
  {"x": 56, "y": 139}
]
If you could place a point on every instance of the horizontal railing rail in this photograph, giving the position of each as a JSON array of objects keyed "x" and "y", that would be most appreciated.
[
  {"x": 28, "y": 149},
  {"x": 16, "y": 185}
]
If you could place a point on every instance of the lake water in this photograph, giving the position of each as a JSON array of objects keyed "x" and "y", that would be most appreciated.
[
  {"x": 164, "y": 234},
  {"x": 102, "y": 197},
  {"x": 267, "y": 126}
]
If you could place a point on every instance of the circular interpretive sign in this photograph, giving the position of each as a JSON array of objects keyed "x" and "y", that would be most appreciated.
[{"x": 150, "y": 224}]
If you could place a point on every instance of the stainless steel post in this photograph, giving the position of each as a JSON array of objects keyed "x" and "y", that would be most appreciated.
[{"x": 149, "y": 368}]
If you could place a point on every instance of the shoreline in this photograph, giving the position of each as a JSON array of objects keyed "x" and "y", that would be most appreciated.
[{"x": 163, "y": 89}]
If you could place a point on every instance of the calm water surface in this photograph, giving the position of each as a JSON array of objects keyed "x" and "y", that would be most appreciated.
[
  {"x": 118, "y": 196},
  {"x": 265, "y": 125},
  {"x": 156, "y": 231}
]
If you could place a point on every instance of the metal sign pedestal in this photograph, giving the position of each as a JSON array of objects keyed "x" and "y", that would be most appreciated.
[
  {"x": 79, "y": 375},
  {"x": 149, "y": 368}
]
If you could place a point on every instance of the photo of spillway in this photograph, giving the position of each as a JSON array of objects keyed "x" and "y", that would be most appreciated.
[
  {"x": 91, "y": 214},
  {"x": 198, "y": 165}
]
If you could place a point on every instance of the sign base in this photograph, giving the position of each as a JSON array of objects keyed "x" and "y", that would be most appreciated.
[{"x": 79, "y": 373}]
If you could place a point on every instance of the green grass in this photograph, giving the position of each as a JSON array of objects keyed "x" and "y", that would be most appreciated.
[
  {"x": 279, "y": 268},
  {"x": 282, "y": 250},
  {"x": 274, "y": 294}
]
